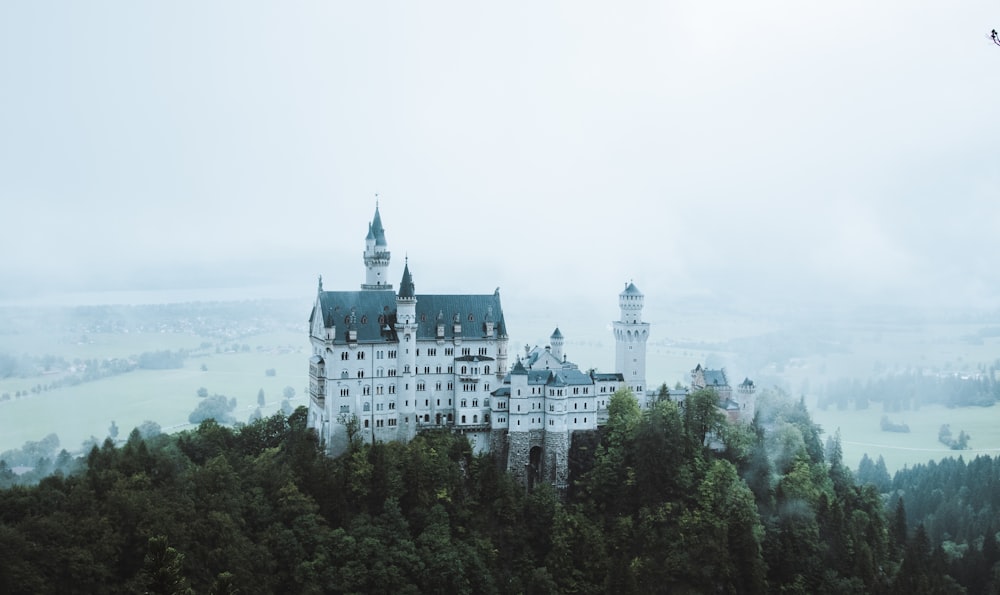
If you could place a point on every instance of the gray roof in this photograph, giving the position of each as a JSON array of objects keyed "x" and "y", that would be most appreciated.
[
  {"x": 607, "y": 376},
  {"x": 571, "y": 377},
  {"x": 369, "y": 306},
  {"x": 563, "y": 377},
  {"x": 377, "y": 229},
  {"x": 556, "y": 334},
  {"x": 518, "y": 369},
  {"x": 715, "y": 377},
  {"x": 747, "y": 383},
  {"x": 631, "y": 289},
  {"x": 406, "y": 286}
]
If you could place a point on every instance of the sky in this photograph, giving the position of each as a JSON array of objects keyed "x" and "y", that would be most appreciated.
[{"x": 779, "y": 152}]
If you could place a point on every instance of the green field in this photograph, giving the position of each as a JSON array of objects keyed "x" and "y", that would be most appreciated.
[
  {"x": 860, "y": 433},
  {"x": 165, "y": 396}
]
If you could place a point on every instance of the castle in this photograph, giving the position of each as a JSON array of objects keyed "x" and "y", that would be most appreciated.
[{"x": 388, "y": 363}]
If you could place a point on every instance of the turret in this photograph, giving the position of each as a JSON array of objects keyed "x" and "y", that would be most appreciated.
[
  {"x": 631, "y": 334},
  {"x": 406, "y": 331},
  {"x": 556, "y": 341},
  {"x": 376, "y": 256}
]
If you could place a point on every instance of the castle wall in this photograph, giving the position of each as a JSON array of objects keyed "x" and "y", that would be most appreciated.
[{"x": 556, "y": 458}]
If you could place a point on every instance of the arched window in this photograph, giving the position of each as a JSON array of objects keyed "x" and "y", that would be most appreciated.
[
  {"x": 486, "y": 369},
  {"x": 367, "y": 406}
]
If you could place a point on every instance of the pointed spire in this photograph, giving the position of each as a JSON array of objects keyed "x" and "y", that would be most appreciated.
[
  {"x": 377, "y": 228},
  {"x": 406, "y": 287},
  {"x": 320, "y": 288}
]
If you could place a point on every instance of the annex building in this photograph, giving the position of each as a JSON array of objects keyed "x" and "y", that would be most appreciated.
[{"x": 388, "y": 362}]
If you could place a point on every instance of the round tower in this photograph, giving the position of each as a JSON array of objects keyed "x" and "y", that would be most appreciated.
[
  {"x": 746, "y": 398},
  {"x": 556, "y": 341},
  {"x": 406, "y": 357},
  {"x": 631, "y": 334},
  {"x": 376, "y": 256}
]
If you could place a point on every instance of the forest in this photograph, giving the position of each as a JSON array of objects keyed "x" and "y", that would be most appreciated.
[{"x": 669, "y": 499}]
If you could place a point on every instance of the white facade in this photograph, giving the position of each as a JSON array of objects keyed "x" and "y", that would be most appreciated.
[
  {"x": 631, "y": 334},
  {"x": 389, "y": 364}
]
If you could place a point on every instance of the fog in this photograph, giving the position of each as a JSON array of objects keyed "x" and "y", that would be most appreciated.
[{"x": 784, "y": 156}]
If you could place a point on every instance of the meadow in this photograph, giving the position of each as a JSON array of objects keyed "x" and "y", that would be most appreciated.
[
  {"x": 860, "y": 433},
  {"x": 77, "y": 413}
]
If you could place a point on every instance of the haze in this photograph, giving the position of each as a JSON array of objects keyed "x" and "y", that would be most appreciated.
[{"x": 836, "y": 154}]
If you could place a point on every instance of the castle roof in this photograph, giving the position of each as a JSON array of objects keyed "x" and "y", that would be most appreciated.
[
  {"x": 631, "y": 289},
  {"x": 375, "y": 314},
  {"x": 556, "y": 334},
  {"x": 747, "y": 383},
  {"x": 519, "y": 368},
  {"x": 715, "y": 378},
  {"x": 377, "y": 230},
  {"x": 607, "y": 376},
  {"x": 406, "y": 286}
]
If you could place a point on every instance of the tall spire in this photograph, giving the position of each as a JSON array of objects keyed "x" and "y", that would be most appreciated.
[
  {"x": 406, "y": 287},
  {"x": 376, "y": 256},
  {"x": 377, "y": 228}
]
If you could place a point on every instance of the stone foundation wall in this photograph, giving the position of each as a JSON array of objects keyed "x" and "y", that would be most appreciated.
[
  {"x": 518, "y": 449},
  {"x": 557, "y": 459}
]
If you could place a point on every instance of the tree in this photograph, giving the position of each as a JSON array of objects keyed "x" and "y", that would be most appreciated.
[
  {"x": 149, "y": 429},
  {"x": 260, "y": 398},
  {"x": 702, "y": 416},
  {"x": 161, "y": 572},
  {"x": 203, "y": 392},
  {"x": 113, "y": 430},
  {"x": 288, "y": 393},
  {"x": 215, "y": 407}
]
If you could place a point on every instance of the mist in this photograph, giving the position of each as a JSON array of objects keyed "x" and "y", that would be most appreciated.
[{"x": 838, "y": 156}]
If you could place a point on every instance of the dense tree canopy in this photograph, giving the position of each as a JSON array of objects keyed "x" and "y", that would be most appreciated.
[{"x": 670, "y": 499}]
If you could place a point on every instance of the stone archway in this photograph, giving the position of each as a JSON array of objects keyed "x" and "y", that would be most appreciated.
[{"x": 534, "y": 466}]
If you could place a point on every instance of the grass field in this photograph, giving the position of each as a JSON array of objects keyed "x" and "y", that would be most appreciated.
[
  {"x": 860, "y": 433},
  {"x": 165, "y": 396}
]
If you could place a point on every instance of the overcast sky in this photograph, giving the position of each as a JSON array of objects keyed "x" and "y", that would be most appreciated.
[{"x": 785, "y": 150}]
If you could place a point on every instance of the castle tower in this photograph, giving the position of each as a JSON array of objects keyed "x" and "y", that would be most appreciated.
[
  {"x": 376, "y": 256},
  {"x": 746, "y": 398},
  {"x": 556, "y": 341},
  {"x": 519, "y": 462},
  {"x": 631, "y": 334},
  {"x": 556, "y": 470},
  {"x": 406, "y": 332}
]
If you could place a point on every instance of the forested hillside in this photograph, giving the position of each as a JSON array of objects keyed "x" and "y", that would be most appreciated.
[{"x": 651, "y": 508}]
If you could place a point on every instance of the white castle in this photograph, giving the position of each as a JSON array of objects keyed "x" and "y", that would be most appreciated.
[{"x": 390, "y": 364}]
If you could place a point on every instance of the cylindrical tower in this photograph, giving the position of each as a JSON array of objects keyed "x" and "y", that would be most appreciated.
[{"x": 631, "y": 334}]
